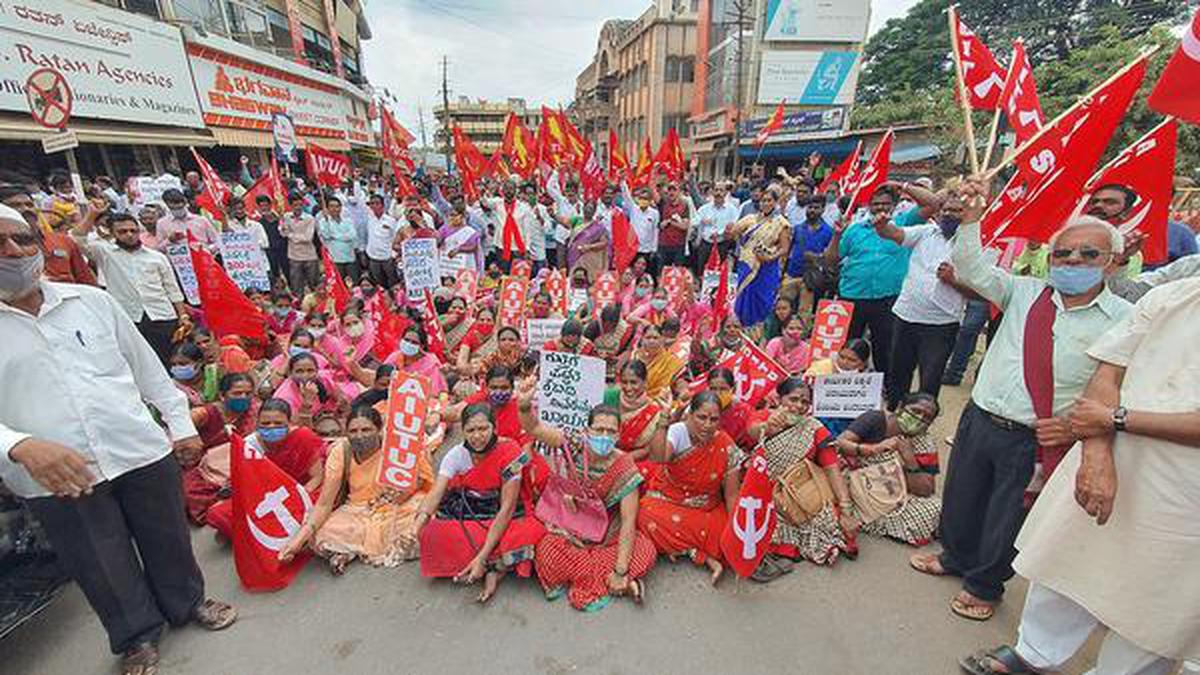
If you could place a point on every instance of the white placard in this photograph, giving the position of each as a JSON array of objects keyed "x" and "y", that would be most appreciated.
[
  {"x": 181, "y": 260},
  {"x": 119, "y": 65},
  {"x": 150, "y": 189},
  {"x": 569, "y": 386},
  {"x": 847, "y": 395},
  {"x": 808, "y": 78},
  {"x": 541, "y": 331},
  {"x": 420, "y": 267},
  {"x": 451, "y": 265},
  {"x": 579, "y": 298},
  {"x": 244, "y": 261},
  {"x": 817, "y": 20}
]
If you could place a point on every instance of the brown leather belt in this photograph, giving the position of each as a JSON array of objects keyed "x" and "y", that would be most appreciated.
[{"x": 1005, "y": 423}]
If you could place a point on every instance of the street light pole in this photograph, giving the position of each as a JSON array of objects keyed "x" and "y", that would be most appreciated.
[{"x": 738, "y": 12}]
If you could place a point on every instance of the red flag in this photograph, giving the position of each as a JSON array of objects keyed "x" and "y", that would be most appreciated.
[
  {"x": 433, "y": 328},
  {"x": 269, "y": 184},
  {"x": 269, "y": 507},
  {"x": 335, "y": 285},
  {"x": 576, "y": 145},
  {"x": 512, "y": 233},
  {"x": 844, "y": 173},
  {"x": 624, "y": 242},
  {"x": 1022, "y": 108},
  {"x": 520, "y": 147},
  {"x": 405, "y": 189},
  {"x": 1148, "y": 168},
  {"x": 1054, "y": 166},
  {"x": 471, "y": 163},
  {"x": 552, "y": 139},
  {"x": 226, "y": 309},
  {"x": 831, "y": 328},
  {"x": 773, "y": 125},
  {"x": 670, "y": 155},
  {"x": 326, "y": 168},
  {"x": 395, "y": 140},
  {"x": 645, "y": 166},
  {"x": 873, "y": 175},
  {"x": 216, "y": 189},
  {"x": 591, "y": 175},
  {"x": 981, "y": 75},
  {"x": 389, "y": 326},
  {"x": 747, "y": 534},
  {"x": 618, "y": 163},
  {"x": 1176, "y": 92},
  {"x": 720, "y": 308}
]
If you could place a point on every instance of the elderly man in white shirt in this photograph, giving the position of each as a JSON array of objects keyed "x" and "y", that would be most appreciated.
[
  {"x": 643, "y": 218},
  {"x": 78, "y": 443},
  {"x": 140, "y": 279},
  {"x": 712, "y": 221},
  {"x": 382, "y": 230}
]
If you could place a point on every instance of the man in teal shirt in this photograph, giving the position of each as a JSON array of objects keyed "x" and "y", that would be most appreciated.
[{"x": 340, "y": 236}]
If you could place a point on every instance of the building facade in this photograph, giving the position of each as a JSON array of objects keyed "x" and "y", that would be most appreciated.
[
  {"x": 148, "y": 78},
  {"x": 484, "y": 121},
  {"x": 641, "y": 80}
]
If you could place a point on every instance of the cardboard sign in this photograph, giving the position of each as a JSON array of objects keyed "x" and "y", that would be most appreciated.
[
  {"x": 244, "y": 261},
  {"x": 541, "y": 331},
  {"x": 755, "y": 374},
  {"x": 605, "y": 290},
  {"x": 181, "y": 260},
  {"x": 452, "y": 265},
  {"x": 569, "y": 386},
  {"x": 420, "y": 267},
  {"x": 847, "y": 395},
  {"x": 579, "y": 298},
  {"x": 150, "y": 190},
  {"x": 404, "y": 431},
  {"x": 513, "y": 291},
  {"x": 831, "y": 327}
]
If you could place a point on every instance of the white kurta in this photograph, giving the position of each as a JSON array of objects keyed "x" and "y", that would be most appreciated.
[{"x": 1140, "y": 573}]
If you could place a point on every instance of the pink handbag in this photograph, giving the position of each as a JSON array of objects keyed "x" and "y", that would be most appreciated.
[{"x": 588, "y": 521}]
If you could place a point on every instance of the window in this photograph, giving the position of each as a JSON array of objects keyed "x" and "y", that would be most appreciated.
[
  {"x": 317, "y": 50},
  {"x": 247, "y": 25},
  {"x": 206, "y": 14},
  {"x": 350, "y": 62},
  {"x": 687, "y": 69},
  {"x": 281, "y": 33},
  {"x": 673, "y": 67}
]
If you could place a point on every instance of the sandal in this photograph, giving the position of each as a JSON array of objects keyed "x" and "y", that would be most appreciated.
[
  {"x": 928, "y": 563},
  {"x": 771, "y": 568},
  {"x": 985, "y": 662},
  {"x": 975, "y": 610},
  {"x": 214, "y": 614},
  {"x": 142, "y": 659},
  {"x": 637, "y": 591},
  {"x": 338, "y": 563}
]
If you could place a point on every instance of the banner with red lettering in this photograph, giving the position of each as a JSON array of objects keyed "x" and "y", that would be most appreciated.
[
  {"x": 676, "y": 280},
  {"x": 433, "y": 328},
  {"x": 522, "y": 268},
  {"x": 404, "y": 432},
  {"x": 513, "y": 291},
  {"x": 747, "y": 535},
  {"x": 755, "y": 374},
  {"x": 269, "y": 507},
  {"x": 831, "y": 327},
  {"x": 326, "y": 168},
  {"x": 556, "y": 285},
  {"x": 604, "y": 291}
]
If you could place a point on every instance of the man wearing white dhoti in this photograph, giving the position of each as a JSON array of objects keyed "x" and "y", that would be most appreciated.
[{"x": 1114, "y": 538}]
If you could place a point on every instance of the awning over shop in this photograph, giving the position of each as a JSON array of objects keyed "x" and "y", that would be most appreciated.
[
  {"x": 915, "y": 153},
  {"x": 23, "y": 128},
  {"x": 242, "y": 138},
  {"x": 331, "y": 144}
]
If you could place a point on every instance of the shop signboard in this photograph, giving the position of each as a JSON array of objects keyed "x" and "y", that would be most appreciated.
[
  {"x": 800, "y": 124},
  {"x": 821, "y": 78},
  {"x": 118, "y": 65},
  {"x": 817, "y": 20}
]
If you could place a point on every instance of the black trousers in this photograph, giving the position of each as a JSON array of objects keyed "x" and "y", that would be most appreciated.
[
  {"x": 701, "y": 252},
  {"x": 383, "y": 272},
  {"x": 134, "y": 592},
  {"x": 159, "y": 334},
  {"x": 671, "y": 256},
  {"x": 349, "y": 269},
  {"x": 918, "y": 346},
  {"x": 982, "y": 501},
  {"x": 875, "y": 315},
  {"x": 280, "y": 267}
]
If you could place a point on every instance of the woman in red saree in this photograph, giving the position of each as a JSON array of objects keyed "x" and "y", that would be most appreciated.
[
  {"x": 591, "y": 574},
  {"x": 499, "y": 395},
  {"x": 641, "y": 418},
  {"x": 236, "y": 408},
  {"x": 477, "y": 522},
  {"x": 694, "y": 488},
  {"x": 738, "y": 419},
  {"x": 480, "y": 341}
]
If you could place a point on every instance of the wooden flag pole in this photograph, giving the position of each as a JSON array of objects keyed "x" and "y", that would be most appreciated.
[
  {"x": 972, "y": 151},
  {"x": 991, "y": 173},
  {"x": 991, "y": 146}
]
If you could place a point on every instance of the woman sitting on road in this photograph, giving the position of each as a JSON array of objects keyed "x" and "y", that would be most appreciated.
[
  {"x": 790, "y": 349},
  {"x": 477, "y": 522},
  {"x": 375, "y": 523},
  {"x": 690, "y": 494},
  {"x": 852, "y": 358},
  {"x": 592, "y": 573},
  {"x": 661, "y": 364},
  {"x": 479, "y": 342},
  {"x": 413, "y": 355},
  {"x": 310, "y": 392},
  {"x": 191, "y": 375},
  {"x": 642, "y": 419},
  {"x": 237, "y": 408}
]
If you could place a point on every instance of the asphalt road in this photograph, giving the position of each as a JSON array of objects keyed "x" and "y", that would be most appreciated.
[{"x": 872, "y": 615}]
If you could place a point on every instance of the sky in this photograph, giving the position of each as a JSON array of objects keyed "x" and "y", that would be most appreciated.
[{"x": 533, "y": 49}]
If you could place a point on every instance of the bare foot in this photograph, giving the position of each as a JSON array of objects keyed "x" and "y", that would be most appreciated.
[
  {"x": 491, "y": 581},
  {"x": 717, "y": 570}
]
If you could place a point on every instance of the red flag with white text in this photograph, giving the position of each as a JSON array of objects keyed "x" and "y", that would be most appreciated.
[
  {"x": 873, "y": 175},
  {"x": 670, "y": 155},
  {"x": 747, "y": 534},
  {"x": 844, "y": 174},
  {"x": 433, "y": 328},
  {"x": 326, "y": 168},
  {"x": 335, "y": 285},
  {"x": 774, "y": 124},
  {"x": 218, "y": 193},
  {"x": 269, "y": 507},
  {"x": 1022, "y": 108},
  {"x": 227, "y": 310},
  {"x": 755, "y": 374},
  {"x": 1177, "y": 92},
  {"x": 831, "y": 327},
  {"x": 982, "y": 76}
]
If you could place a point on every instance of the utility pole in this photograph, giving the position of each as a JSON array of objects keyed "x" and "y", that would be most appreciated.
[
  {"x": 446, "y": 135},
  {"x": 421, "y": 125},
  {"x": 738, "y": 13}
]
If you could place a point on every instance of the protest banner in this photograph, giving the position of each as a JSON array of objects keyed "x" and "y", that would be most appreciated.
[
  {"x": 404, "y": 432},
  {"x": 755, "y": 374},
  {"x": 466, "y": 283},
  {"x": 569, "y": 386},
  {"x": 579, "y": 298},
  {"x": 451, "y": 265},
  {"x": 522, "y": 268},
  {"x": 150, "y": 189},
  {"x": 555, "y": 283},
  {"x": 847, "y": 395},
  {"x": 420, "y": 267},
  {"x": 541, "y": 331},
  {"x": 605, "y": 290},
  {"x": 831, "y": 327},
  {"x": 513, "y": 291},
  {"x": 245, "y": 261},
  {"x": 181, "y": 260}
]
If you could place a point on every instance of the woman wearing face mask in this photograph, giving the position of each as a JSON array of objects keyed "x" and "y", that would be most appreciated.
[
  {"x": 877, "y": 437},
  {"x": 477, "y": 522},
  {"x": 455, "y": 324},
  {"x": 227, "y": 354},
  {"x": 480, "y": 341},
  {"x": 301, "y": 341},
  {"x": 509, "y": 352},
  {"x": 297, "y": 450},
  {"x": 661, "y": 364},
  {"x": 282, "y": 318},
  {"x": 204, "y": 475},
  {"x": 413, "y": 356},
  {"x": 764, "y": 238},
  {"x": 637, "y": 295},
  {"x": 357, "y": 336},
  {"x": 355, "y": 517},
  {"x": 775, "y": 323},
  {"x": 655, "y": 312},
  {"x": 690, "y": 494},
  {"x": 308, "y": 391},
  {"x": 789, "y": 436},
  {"x": 192, "y": 377},
  {"x": 738, "y": 419},
  {"x": 498, "y": 393},
  {"x": 591, "y": 574},
  {"x": 853, "y": 357},
  {"x": 642, "y": 419},
  {"x": 790, "y": 349}
]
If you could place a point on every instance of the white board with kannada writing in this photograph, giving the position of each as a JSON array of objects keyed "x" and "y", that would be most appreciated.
[
  {"x": 569, "y": 386},
  {"x": 847, "y": 395}
]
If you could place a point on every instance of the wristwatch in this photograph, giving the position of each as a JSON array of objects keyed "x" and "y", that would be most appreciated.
[{"x": 1119, "y": 416}]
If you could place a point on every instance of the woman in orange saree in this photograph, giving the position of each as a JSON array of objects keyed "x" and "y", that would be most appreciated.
[
  {"x": 692, "y": 491},
  {"x": 661, "y": 365}
]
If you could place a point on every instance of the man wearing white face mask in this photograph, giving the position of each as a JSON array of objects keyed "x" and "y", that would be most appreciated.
[
  {"x": 98, "y": 473},
  {"x": 1047, "y": 329},
  {"x": 174, "y": 227}
]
